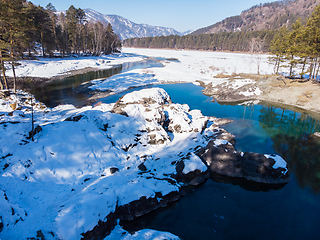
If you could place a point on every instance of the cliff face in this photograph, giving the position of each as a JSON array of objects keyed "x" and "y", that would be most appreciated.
[{"x": 265, "y": 16}]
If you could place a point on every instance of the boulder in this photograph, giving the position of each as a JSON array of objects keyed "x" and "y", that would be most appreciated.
[{"x": 261, "y": 168}]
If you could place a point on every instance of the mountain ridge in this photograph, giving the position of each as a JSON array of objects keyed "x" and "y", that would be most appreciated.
[
  {"x": 264, "y": 16},
  {"x": 128, "y": 29}
]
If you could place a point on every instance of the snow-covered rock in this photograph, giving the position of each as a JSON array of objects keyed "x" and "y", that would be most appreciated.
[
  {"x": 85, "y": 164},
  {"x": 146, "y": 234}
]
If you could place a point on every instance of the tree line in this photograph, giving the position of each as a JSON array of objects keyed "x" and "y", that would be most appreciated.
[
  {"x": 27, "y": 30},
  {"x": 298, "y": 49},
  {"x": 224, "y": 41}
]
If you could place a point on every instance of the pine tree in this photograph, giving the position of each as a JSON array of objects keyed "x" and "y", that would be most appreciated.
[
  {"x": 13, "y": 22},
  {"x": 313, "y": 42}
]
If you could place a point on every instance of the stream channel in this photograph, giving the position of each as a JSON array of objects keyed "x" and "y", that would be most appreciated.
[{"x": 226, "y": 210}]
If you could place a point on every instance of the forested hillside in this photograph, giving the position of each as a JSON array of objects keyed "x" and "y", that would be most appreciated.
[
  {"x": 27, "y": 30},
  {"x": 226, "y": 41},
  {"x": 265, "y": 16}
]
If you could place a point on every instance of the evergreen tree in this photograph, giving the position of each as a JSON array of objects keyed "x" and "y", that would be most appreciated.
[
  {"x": 12, "y": 23},
  {"x": 313, "y": 42}
]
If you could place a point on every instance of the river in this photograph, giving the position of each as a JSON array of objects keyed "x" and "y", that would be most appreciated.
[{"x": 220, "y": 209}]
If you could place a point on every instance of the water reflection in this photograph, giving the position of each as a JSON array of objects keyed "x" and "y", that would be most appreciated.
[
  {"x": 224, "y": 209},
  {"x": 69, "y": 91},
  {"x": 292, "y": 136}
]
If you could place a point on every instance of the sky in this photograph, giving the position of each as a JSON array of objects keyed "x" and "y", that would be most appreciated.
[{"x": 182, "y": 15}]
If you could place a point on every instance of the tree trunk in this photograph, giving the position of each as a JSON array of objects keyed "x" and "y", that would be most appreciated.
[
  {"x": 311, "y": 69},
  {"x": 41, "y": 39},
  {"x": 1, "y": 85},
  {"x": 303, "y": 66},
  {"x": 14, "y": 77},
  {"x": 3, "y": 71}
]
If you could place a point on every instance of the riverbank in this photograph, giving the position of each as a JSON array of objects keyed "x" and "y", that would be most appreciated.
[
  {"x": 294, "y": 94},
  {"x": 227, "y": 77}
]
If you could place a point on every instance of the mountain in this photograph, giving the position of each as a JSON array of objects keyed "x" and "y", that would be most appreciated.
[
  {"x": 128, "y": 29},
  {"x": 264, "y": 16}
]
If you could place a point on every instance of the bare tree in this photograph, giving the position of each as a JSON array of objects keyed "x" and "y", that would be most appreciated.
[{"x": 256, "y": 49}]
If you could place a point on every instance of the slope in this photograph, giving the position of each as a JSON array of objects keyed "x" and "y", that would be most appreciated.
[
  {"x": 128, "y": 29},
  {"x": 264, "y": 16}
]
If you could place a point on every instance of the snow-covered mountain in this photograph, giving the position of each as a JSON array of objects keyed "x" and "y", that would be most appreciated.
[{"x": 128, "y": 29}]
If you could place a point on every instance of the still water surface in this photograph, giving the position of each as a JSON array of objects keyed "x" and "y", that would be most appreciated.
[{"x": 221, "y": 210}]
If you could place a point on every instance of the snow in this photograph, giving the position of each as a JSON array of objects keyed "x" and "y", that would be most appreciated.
[
  {"x": 193, "y": 66},
  {"x": 50, "y": 67},
  {"x": 123, "y": 81},
  {"x": 159, "y": 95},
  {"x": 279, "y": 162},
  {"x": 203, "y": 66},
  {"x": 193, "y": 164},
  {"x": 61, "y": 182},
  {"x": 145, "y": 234}
]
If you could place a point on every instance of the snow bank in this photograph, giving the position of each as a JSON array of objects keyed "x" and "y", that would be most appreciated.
[
  {"x": 158, "y": 95},
  {"x": 50, "y": 67},
  {"x": 123, "y": 81}
]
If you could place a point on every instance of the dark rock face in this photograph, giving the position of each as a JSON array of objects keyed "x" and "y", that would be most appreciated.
[
  {"x": 256, "y": 167},
  {"x": 129, "y": 211},
  {"x": 193, "y": 178},
  {"x": 223, "y": 160}
]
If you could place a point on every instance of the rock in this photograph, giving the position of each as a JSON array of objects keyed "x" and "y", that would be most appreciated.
[
  {"x": 130, "y": 211},
  {"x": 144, "y": 97},
  {"x": 224, "y": 160},
  {"x": 317, "y": 134},
  {"x": 193, "y": 178},
  {"x": 34, "y": 131},
  {"x": 259, "y": 168}
]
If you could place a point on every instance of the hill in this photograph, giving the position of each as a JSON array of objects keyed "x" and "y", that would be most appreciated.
[{"x": 264, "y": 16}]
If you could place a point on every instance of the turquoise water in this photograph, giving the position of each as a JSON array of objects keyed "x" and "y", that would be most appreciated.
[
  {"x": 221, "y": 210},
  {"x": 67, "y": 91},
  {"x": 229, "y": 210}
]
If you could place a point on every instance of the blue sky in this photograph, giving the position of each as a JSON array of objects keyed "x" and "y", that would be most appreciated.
[{"x": 181, "y": 15}]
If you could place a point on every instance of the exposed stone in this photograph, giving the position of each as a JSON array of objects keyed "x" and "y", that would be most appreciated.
[
  {"x": 258, "y": 168},
  {"x": 224, "y": 160},
  {"x": 193, "y": 178},
  {"x": 34, "y": 132},
  {"x": 130, "y": 211}
]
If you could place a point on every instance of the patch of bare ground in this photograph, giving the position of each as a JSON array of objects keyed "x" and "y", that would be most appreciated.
[{"x": 299, "y": 93}]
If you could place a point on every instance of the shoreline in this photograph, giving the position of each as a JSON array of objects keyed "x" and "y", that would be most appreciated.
[{"x": 276, "y": 90}]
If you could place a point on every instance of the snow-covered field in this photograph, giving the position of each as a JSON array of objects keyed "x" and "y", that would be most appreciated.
[
  {"x": 203, "y": 66},
  {"x": 191, "y": 66},
  {"x": 50, "y": 67}
]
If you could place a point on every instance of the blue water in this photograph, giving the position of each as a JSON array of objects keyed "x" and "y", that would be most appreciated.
[
  {"x": 229, "y": 210},
  {"x": 221, "y": 210},
  {"x": 67, "y": 90}
]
